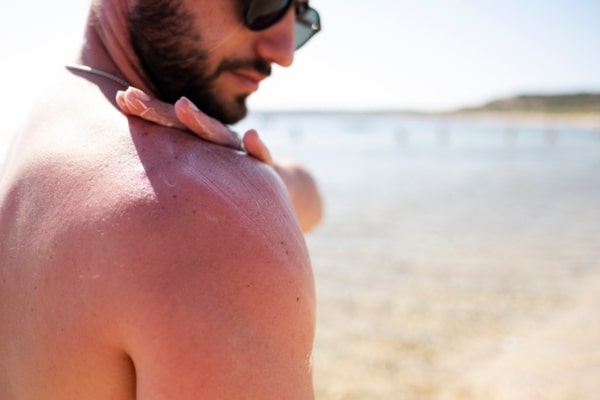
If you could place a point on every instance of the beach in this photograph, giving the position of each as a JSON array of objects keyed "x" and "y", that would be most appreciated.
[{"x": 456, "y": 260}]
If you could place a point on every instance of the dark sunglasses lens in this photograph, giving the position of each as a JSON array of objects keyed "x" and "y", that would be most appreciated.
[
  {"x": 307, "y": 25},
  {"x": 262, "y": 14}
]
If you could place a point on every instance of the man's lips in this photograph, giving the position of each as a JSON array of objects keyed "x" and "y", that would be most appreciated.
[{"x": 249, "y": 80}]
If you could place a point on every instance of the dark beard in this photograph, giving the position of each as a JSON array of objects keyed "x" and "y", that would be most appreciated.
[{"x": 169, "y": 50}]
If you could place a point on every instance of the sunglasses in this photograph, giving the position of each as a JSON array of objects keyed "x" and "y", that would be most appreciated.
[{"x": 262, "y": 14}]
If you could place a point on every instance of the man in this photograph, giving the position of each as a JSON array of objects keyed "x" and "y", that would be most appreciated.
[{"x": 137, "y": 261}]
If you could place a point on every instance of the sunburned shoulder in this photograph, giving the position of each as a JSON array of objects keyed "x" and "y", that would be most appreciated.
[
  {"x": 187, "y": 177},
  {"x": 134, "y": 179},
  {"x": 219, "y": 285},
  {"x": 188, "y": 254},
  {"x": 156, "y": 197}
]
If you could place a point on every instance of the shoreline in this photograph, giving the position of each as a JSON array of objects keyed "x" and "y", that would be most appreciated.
[
  {"x": 557, "y": 358},
  {"x": 579, "y": 120}
]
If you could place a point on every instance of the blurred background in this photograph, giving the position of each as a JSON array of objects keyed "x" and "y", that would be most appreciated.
[{"x": 457, "y": 146}]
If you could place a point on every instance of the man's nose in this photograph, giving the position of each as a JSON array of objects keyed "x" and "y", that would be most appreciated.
[{"x": 276, "y": 44}]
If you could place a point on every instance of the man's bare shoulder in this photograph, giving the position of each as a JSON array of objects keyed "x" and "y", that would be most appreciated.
[
  {"x": 219, "y": 286},
  {"x": 188, "y": 252},
  {"x": 160, "y": 198},
  {"x": 192, "y": 186}
]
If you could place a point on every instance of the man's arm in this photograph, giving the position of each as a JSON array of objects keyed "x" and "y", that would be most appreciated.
[{"x": 185, "y": 115}]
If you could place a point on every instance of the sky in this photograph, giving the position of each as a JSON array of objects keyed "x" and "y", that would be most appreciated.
[{"x": 378, "y": 54}]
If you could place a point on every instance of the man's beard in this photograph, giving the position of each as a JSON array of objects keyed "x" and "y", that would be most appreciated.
[{"x": 169, "y": 50}]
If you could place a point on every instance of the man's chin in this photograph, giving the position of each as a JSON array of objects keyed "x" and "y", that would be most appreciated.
[
  {"x": 235, "y": 112},
  {"x": 227, "y": 112}
]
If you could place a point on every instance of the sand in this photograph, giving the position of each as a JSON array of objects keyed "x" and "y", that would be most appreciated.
[
  {"x": 554, "y": 359},
  {"x": 470, "y": 281}
]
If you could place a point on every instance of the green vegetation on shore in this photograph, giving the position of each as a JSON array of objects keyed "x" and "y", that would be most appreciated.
[
  {"x": 577, "y": 103},
  {"x": 558, "y": 105}
]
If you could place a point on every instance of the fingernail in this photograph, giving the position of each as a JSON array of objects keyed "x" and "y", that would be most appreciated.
[
  {"x": 120, "y": 96},
  {"x": 134, "y": 103},
  {"x": 190, "y": 104},
  {"x": 131, "y": 91}
]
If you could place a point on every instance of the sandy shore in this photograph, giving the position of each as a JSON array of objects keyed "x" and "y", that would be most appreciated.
[
  {"x": 580, "y": 120},
  {"x": 558, "y": 358},
  {"x": 470, "y": 282}
]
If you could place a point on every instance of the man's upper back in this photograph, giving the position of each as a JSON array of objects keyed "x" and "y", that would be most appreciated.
[{"x": 139, "y": 261}]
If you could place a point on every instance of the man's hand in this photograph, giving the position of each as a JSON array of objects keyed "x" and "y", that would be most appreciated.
[{"x": 186, "y": 116}]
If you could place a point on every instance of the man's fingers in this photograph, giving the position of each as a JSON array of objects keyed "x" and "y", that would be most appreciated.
[
  {"x": 256, "y": 148},
  {"x": 135, "y": 102},
  {"x": 204, "y": 126},
  {"x": 185, "y": 115}
]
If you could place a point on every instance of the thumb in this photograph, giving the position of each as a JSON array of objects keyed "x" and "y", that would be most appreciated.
[{"x": 256, "y": 148}]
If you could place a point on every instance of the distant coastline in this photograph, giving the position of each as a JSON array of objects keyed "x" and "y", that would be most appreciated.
[
  {"x": 573, "y": 103},
  {"x": 575, "y": 109},
  {"x": 581, "y": 109},
  {"x": 560, "y": 104}
]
